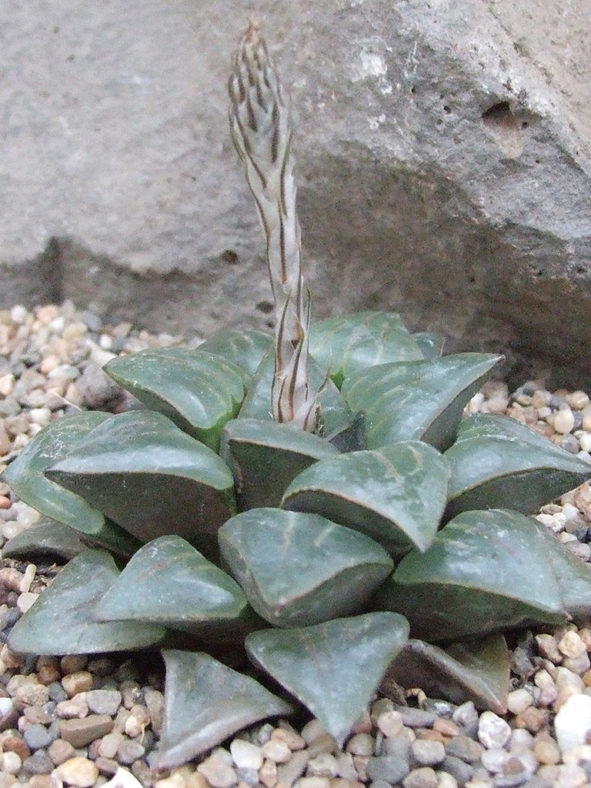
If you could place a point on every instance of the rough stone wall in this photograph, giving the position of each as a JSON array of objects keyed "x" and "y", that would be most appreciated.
[{"x": 444, "y": 157}]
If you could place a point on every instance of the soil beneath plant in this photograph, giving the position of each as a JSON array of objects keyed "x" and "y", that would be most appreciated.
[{"x": 87, "y": 721}]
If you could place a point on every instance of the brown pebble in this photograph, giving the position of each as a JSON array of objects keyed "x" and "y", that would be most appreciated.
[
  {"x": 11, "y": 578},
  {"x": 293, "y": 740},
  {"x": 546, "y": 751},
  {"x": 41, "y": 781},
  {"x": 533, "y": 719},
  {"x": 79, "y": 681},
  {"x": 5, "y": 502},
  {"x": 47, "y": 674},
  {"x": 60, "y": 750},
  {"x": 323, "y": 743},
  {"x": 12, "y": 741},
  {"x": 78, "y": 772},
  {"x": 72, "y": 663},
  {"x": 106, "y": 765},
  {"x": 80, "y": 732},
  {"x": 446, "y": 727}
]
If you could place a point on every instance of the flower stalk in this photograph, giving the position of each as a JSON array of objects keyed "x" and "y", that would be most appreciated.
[{"x": 262, "y": 132}]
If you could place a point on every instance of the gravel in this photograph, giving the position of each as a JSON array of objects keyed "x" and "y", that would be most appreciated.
[{"x": 91, "y": 721}]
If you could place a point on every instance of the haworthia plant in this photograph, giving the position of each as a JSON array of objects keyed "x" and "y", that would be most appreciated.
[{"x": 303, "y": 502}]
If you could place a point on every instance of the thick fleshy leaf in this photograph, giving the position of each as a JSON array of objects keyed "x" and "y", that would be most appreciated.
[
  {"x": 26, "y": 477},
  {"x": 197, "y": 390},
  {"x": 169, "y": 582},
  {"x": 245, "y": 347},
  {"x": 257, "y": 403},
  {"x": 430, "y": 344},
  {"x": 496, "y": 460},
  {"x": 347, "y": 344},
  {"x": 298, "y": 569},
  {"x": 45, "y": 539},
  {"x": 396, "y": 494},
  {"x": 420, "y": 400},
  {"x": 485, "y": 571},
  {"x": 204, "y": 703},
  {"x": 332, "y": 668},
  {"x": 62, "y": 620},
  {"x": 476, "y": 669},
  {"x": 351, "y": 437},
  {"x": 265, "y": 456},
  {"x": 572, "y": 574},
  {"x": 151, "y": 478}
]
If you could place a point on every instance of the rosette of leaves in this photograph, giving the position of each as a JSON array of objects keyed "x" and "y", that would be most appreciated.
[{"x": 285, "y": 560}]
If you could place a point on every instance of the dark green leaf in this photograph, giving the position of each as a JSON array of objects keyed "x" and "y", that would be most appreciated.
[
  {"x": 347, "y": 344},
  {"x": 476, "y": 670},
  {"x": 496, "y": 460},
  {"x": 430, "y": 344},
  {"x": 396, "y": 495},
  {"x": 245, "y": 347},
  {"x": 265, "y": 456},
  {"x": 332, "y": 668},
  {"x": 62, "y": 620},
  {"x": 26, "y": 477},
  {"x": 485, "y": 571},
  {"x": 168, "y": 582},
  {"x": 197, "y": 390},
  {"x": 299, "y": 569},
  {"x": 46, "y": 539},
  {"x": 421, "y": 400},
  {"x": 351, "y": 437},
  {"x": 257, "y": 403},
  {"x": 572, "y": 574},
  {"x": 151, "y": 478},
  {"x": 204, "y": 703}
]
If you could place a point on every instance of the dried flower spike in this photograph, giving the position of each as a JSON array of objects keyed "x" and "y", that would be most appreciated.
[{"x": 261, "y": 130}]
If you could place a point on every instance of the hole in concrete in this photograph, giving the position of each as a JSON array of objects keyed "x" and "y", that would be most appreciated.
[
  {"x": 265, "y": 307},
  {"x": 505, "y": 128},
  {"x": 500, "y": 116},
  {"x": 229, "y": 256}
]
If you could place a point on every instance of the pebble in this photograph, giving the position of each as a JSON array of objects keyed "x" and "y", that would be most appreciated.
[
  {"x": 81, "y": 731},
  {"x": 103, "y": 701},
  {"x": 493, "y": 731},
  {"x": 79, "y": 772},
  {"x": 572, "y": 723}
]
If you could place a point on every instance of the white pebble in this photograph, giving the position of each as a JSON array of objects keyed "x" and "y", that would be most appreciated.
[
  {"x": 493, "y": 731},
  {"x": 28, "y": 577},
  {"x": 123, "y": 779},
  {"x": 246, "y": 755},
  {"x": 519, "y": 700},
  {"x": 564, "y": 421},
  {"x": 26, "y": 601},
  {"x": 10, "y": 762},
  {"x": 577, "y": 399},
  {"x": 6, "y": 384},
  {"x": 18, "y": 314},
  {"x": 573, "y": 722},
  {"x": 585, "y": 441},
  {"x": 40, "y": 416}
]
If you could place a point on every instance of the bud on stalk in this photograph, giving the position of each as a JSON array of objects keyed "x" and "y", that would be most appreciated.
[{"x": 261, "y": 129}]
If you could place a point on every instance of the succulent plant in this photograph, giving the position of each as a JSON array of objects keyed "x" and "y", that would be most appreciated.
[{"x": 304, "y": 502}]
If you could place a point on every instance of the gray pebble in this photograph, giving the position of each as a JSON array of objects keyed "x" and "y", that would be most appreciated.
[
  {"x": 416, "y": 718},
  {"x": 90, "y": 320},
  {"x": 103, "y": 701},
  {"x": 427, "y": 752},
  {"x": 442, "y": 708},
  {"x": 380, "y": 784},
  {"x": 37, "y": 736},
  {"x": 458, "y": 768},
  {"x": 464, "y": 748},
  {"x": 246, "y": 775},
  {"x": 129, "y": 751},
  {"x": 390, "y": 768},
  {"x": 398, "y": 746},
  {"x": 467, "y": 716},
  {"x": 38, "y": 763},
  {"x": 425, "y": 777},
  {"x": 56, "y": 692}
]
